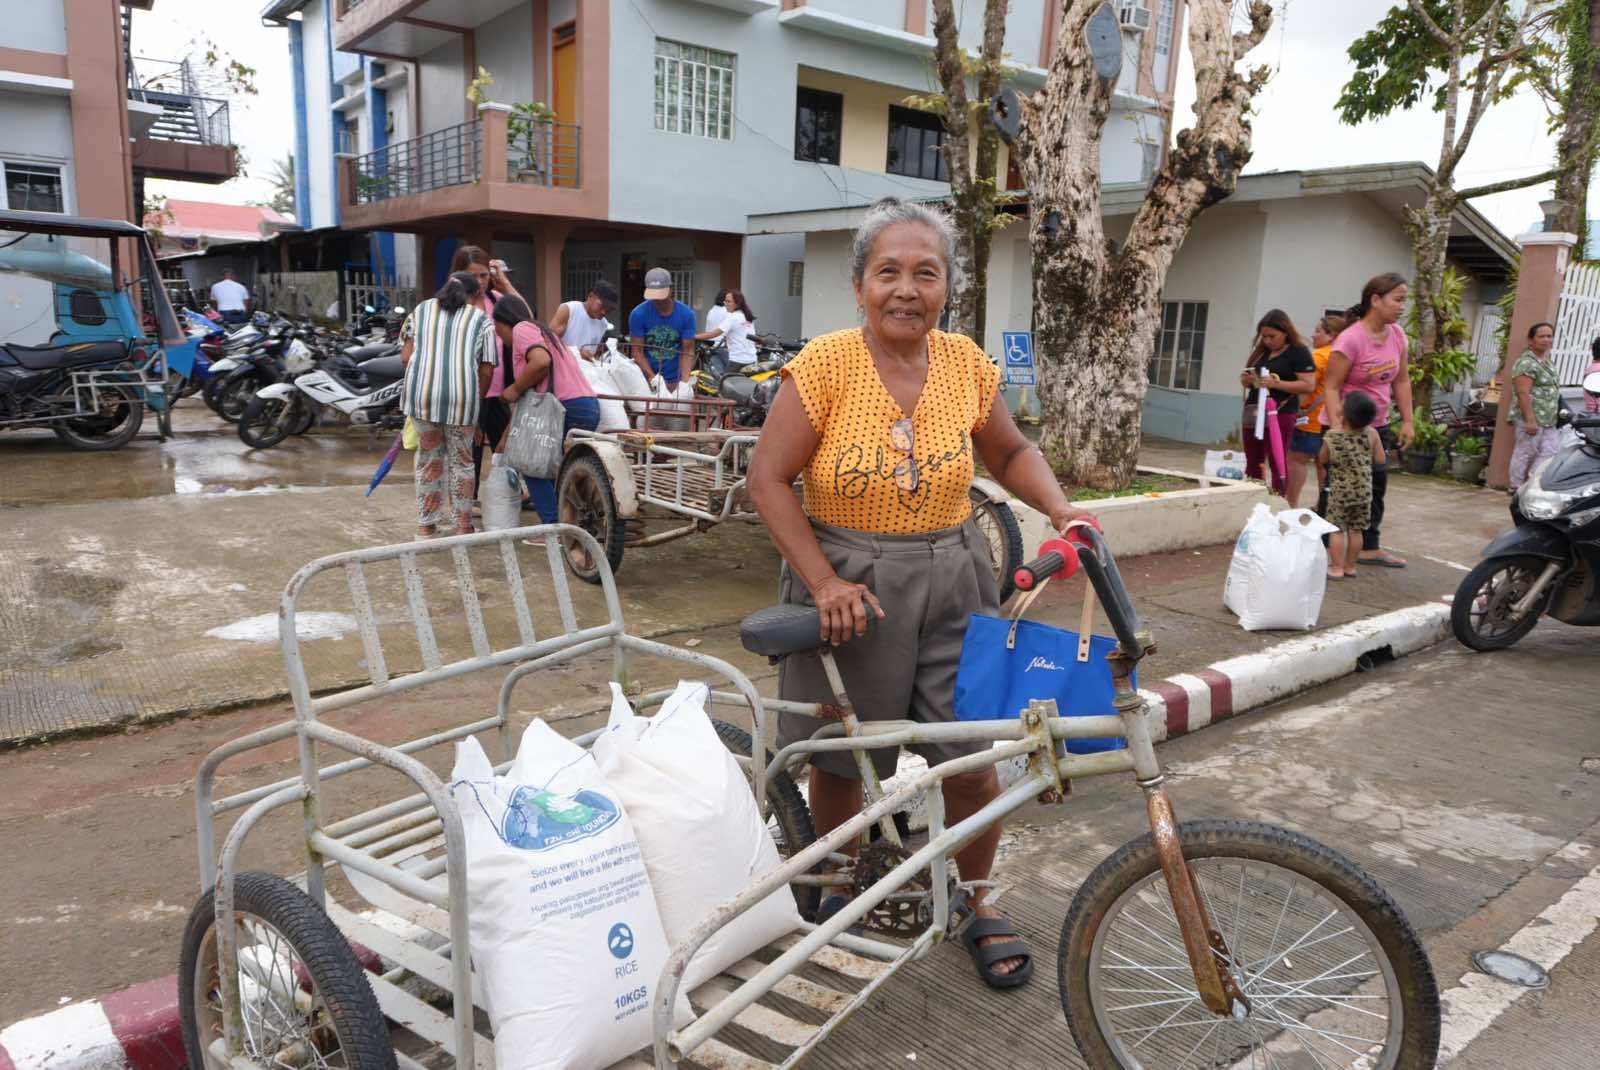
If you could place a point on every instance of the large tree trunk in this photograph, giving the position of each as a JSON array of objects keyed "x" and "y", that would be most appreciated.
[
  {"x": 971, "y": 148},
  {"x": 1096, "y": 309}
]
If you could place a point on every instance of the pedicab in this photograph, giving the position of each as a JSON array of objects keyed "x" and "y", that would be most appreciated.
[
  {"x": 680, "y": 470},
  {"x": 76, "y": 355},
  {"x": 1233, "y": 943}
]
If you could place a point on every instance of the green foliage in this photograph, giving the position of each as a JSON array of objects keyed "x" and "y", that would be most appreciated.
[
  {"x": 282, "y": 180},
  {"x": 1429, "y": 435},
  {"x": 1447, "y": 362},
  {"x": 1470, "y": 446},
  {"x": 1399, "y": 63}
]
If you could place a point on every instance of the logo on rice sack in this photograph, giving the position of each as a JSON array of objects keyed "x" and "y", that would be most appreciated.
[
  {"x": 620, "y": 940},
  {"x": 539, "y": 820}
]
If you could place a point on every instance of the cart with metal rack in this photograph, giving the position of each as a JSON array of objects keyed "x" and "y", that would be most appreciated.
[
  {"x": 1229, "y": 941},
  {"x": 682, "y": 471}
]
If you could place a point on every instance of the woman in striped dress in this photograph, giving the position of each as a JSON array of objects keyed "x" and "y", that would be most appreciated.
[{"x": 449, "y": 354}]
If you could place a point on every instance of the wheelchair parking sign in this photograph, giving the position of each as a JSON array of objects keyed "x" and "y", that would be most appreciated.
[{"x": 1018, "y": 358}]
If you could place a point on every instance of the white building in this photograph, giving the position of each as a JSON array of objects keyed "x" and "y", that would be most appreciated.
[
  {"x": 1302, "y": 241},
  {"x": 677, "y": 122}
]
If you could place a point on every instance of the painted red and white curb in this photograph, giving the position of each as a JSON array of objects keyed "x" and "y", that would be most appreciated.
[
  {"x": 139, "y": 1029},
  {"x": 1188, "y": 702},
  {"x": 135, "y": 1029}
]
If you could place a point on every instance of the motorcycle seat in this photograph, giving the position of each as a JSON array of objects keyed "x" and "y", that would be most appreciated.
[
  {"x": 43, "y": 358},
  {"x": 381, "y": 371},
  {"x": 370, "y": 351},
  {"x": 348, "y": 374}
]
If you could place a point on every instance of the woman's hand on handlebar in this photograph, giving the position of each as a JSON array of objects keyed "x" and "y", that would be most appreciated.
[
  {"x": 1061, "y": 518},
  {"x": 843, "y": 607}
]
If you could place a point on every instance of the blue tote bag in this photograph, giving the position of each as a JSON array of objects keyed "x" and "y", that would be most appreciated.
[{"x": 999, "y": 676}]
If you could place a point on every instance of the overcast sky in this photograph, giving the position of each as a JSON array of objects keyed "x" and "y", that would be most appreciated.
[{"x": 1295, "y": 126}]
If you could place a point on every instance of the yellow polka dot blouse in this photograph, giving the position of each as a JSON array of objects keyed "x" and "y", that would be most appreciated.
[{"x": 858, "y": 476}]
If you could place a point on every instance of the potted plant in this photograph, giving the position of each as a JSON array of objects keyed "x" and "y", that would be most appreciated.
[
  {"x": 1467, "y": 457},
  {"x": 1423, "y": 453}
]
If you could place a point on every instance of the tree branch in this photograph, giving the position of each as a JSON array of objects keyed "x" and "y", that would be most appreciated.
[
  {"x": 1486, "y": 84},
  {"x": 953, "y": 79},
  {"x": 1260, "y": 23},
  {"x": 1508, "y": 185},
  {"x": 1428, "y": 24}
]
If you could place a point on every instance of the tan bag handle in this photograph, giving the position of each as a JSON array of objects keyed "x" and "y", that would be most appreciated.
[{"x": 1085, "y": 621}]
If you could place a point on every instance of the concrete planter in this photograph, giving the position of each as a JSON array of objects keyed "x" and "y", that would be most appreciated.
[
  {"x": 1467, "y": 469},
  {"x": 1213, "y": 512}
]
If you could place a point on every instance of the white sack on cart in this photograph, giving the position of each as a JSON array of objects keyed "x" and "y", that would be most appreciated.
[
  {"x": 1279, "y": 571},
  {"x": 631, "y": 382},
  {"x": 565, "y": 935},
  {"x": 677, "y": 401},
  {"x": 702, "y": 836},
  {"x": 613, "y": 414}
]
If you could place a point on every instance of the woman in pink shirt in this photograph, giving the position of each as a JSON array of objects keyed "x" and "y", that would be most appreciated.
[
  {"x": 1370, "y": 355},
  {"x": 540, "y": 361}
]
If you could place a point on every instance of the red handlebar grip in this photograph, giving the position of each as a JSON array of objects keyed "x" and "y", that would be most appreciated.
[{"x": 1056, "y": 557}]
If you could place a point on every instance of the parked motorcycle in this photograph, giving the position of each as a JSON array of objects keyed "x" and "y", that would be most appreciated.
[
  {"x": 751, "y": 387},
  {"x": 1550, "y": 562},
  {"x": 367, "y": 392}
]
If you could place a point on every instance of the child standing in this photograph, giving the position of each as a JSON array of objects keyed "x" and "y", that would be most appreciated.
[{"x": 1345, "y": 464}]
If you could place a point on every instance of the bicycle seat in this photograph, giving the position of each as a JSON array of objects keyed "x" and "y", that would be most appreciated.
[{"x": 778, "y": 631}]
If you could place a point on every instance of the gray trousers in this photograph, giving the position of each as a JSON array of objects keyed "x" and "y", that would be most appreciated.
[{"x": 904, "y": 668}]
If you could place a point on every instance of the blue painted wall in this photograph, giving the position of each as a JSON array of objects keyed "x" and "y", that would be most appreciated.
[{"x": 302, "y": 158}]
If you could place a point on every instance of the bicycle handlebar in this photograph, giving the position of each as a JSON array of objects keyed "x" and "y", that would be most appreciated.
[{"x": 1086, "y": 547}]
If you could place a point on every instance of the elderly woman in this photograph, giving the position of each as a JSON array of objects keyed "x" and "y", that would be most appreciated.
[
  {"x": 449, "y": 355},
  {"x": 885, "y": 422}
]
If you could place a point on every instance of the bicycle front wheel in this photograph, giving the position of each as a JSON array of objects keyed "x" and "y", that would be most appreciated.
[{"x": 1334, "y": 973}]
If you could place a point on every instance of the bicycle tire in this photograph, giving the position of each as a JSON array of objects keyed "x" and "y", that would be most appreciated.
[
  {"x": 788, "y": 808},
  {"x": 1414, "y": 1045},
  {"x": 331, "y": 969}
]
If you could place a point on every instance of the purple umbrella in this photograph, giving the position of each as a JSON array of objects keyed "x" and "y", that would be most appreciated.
[{"x": 387, "y": 463}]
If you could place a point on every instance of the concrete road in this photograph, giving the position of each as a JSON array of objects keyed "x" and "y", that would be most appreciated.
[{"x": 1459, "y": 781}]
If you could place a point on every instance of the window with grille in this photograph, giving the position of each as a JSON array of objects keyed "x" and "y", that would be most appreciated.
[
  {"x": 694, "y": 91},
  {"x": 682, "y": 280},
  {"x": 33, "y": 188},
  {"x": 818, "y": 120},
  {"x": 580, "y": 277},
  {"x": 1180, "y": 345},
  {"x": 797, "y": 278},
  {"x": 1164, "y": 25},
  {"x": 916, "y": 144}
]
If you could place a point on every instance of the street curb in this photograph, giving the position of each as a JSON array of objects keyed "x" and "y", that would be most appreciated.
[
  {"x": 138, "y": 1028},
  {"x": 1188, "y": 702}
]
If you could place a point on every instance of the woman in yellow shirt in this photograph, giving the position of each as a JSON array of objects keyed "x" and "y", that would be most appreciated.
[{"x": 885, "y": 422}]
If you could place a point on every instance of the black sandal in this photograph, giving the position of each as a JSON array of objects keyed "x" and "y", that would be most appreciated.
[{"x": 985, "y": 956}]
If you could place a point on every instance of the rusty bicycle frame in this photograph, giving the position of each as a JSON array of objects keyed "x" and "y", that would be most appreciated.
[{"x": 413, "y": 850}]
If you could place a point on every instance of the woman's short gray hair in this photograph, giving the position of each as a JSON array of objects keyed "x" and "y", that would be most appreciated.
[{"x": 891, "y": 211}]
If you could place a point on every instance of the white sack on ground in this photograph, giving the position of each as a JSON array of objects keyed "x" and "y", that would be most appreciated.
[
  {"x": 1279, "y": 570},
  {"x": 702, "y": 836}
]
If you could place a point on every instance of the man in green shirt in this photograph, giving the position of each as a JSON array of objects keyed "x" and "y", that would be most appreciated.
[{"x": 1533, "y": 410}]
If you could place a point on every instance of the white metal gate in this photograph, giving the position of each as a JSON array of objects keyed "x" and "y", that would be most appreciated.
[{"x": 1577, "y": 322}]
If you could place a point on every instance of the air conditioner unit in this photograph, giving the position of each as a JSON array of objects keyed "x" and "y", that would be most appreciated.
[{"x": 1133, "y": 16}]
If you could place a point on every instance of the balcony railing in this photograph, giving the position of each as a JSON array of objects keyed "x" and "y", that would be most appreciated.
[
  {"x": 543, "y": 153},
  {"x": 525, "y": 152},
  {"x": 187, "y": 115},
  {"x": 449, "y": 157}
]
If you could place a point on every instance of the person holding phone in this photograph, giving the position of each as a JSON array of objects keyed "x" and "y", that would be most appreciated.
[{"x": 1282, "y": 363}]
